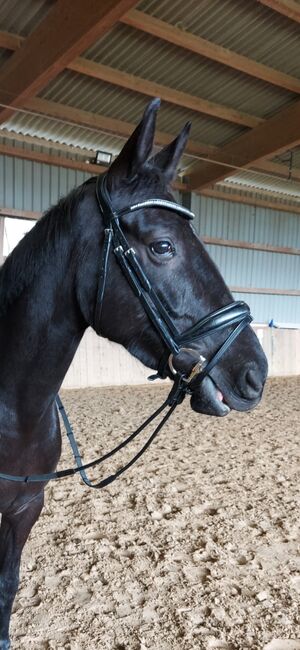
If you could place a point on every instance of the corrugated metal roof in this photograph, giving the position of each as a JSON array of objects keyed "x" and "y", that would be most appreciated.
[
  {"x": 21, "y": 17},
  {"x": 248, "y": 28},
  {"x": 245, "y": 27},
  {"x": 153, "y": 59},
  {"x": 53, "y": 130}
]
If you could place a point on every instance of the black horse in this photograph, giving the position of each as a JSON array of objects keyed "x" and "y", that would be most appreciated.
[{"x": 48, "y": 290}]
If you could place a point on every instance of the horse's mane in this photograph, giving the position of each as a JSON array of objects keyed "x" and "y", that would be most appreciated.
[
  {"x": 34, "y": 249},
  {"x": 53, "y": 229}
]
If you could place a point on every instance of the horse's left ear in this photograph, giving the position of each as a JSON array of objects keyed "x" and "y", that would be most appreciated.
[
  {"x": 167, "y": 159},
  {"x": 137, "y": 149}
]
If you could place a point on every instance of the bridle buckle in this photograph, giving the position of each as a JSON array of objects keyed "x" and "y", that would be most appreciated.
[{"x": 196, "y": 370}]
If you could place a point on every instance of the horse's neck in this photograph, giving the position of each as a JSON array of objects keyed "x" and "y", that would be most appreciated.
[{"x": 39, "y": 337}]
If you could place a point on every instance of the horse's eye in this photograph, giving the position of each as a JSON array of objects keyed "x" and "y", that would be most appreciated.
[{"x": 162, "y": 248}]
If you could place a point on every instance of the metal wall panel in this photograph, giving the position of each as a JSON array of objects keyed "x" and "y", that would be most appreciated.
[
  {"x": 28, "y": 185},
  {"x": 250, "y": 268}
]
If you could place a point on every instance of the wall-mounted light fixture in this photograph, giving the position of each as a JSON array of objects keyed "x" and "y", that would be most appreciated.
[{"x": 102, "y": 158}]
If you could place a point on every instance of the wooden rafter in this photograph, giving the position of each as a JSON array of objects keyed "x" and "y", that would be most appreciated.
[
  {"x": 270, "y": 291},
  {"x": 252, "y": 246},
  {"x": 13, "y": 213},
  {"x": 171, "y": 95},
  {"x": 252, "y": 199},
  {"x": 215, "y": 241},
  {"x": 195, "y": 149},
  {"x": 268, "y": 192},
  {"x": 198, "y": 45},
  {"x": 50, "y": 159},
  {"x": 60, "y": 161},
  {"x": 275, "y": 169},
  {"x": 10, "y": 41},
  {"x": 248, "y": 199},
  {"x": 288, "y": 8},
  {"x": 280, "y": 132},
  {"x": 150, "y": 88},
  {"x": 105, "y": 124},
  {"x": 68, "y": 29},
  {"x": 123, "y": 129}
]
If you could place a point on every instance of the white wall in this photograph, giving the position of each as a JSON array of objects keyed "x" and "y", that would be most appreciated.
[
  {"x": 282, "y": 347},
  {"x": 99, "y": 362}
]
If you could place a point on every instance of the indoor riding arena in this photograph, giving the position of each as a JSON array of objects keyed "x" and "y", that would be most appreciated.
[{"x": 196, "y": 545}]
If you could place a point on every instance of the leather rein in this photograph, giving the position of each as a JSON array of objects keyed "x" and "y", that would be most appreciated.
[{"x": 236, "y": 313}]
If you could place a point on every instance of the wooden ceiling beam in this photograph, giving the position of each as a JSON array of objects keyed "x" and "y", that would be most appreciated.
[
  {"x": 10, "y": 41},
  {"x": 251, "y": 199},
  {"x": 13, "y": 213},
  {"x": 50, "y": 159},
  {"x": 215, "y": 194},
  {"x": 288, "y": 8},
  {"x": 270, "y": 192},
  {"x": 118, "y": 128},
  {"x": 60, "y": 161},
  {"x": 198, "y": 45},
  {"x": 69, "y": 28},
  {"x": 123, "y": 129},
  {"x": 276, "y": 169},
  {"x": 153, "y": 89},
  {"x": 280, "y": 132}
]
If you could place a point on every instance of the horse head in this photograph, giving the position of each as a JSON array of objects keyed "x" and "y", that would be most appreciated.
[{"x": 187, "y": 284}]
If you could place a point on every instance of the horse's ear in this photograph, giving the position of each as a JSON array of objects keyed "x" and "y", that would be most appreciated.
[
  {"x": 137, "y": 148},
  {"x": 167, "y": 159}
]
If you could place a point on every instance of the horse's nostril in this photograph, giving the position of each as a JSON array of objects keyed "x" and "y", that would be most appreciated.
[
  {"x": 253, "y": 380},
  {"x": 251, "y": 383}
]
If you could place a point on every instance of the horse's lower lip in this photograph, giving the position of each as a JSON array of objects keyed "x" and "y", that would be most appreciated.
[
  {"x": 220, "y": 395},
  {"x": 208, "y": 399},
  {"x": 220, "y": 398}
]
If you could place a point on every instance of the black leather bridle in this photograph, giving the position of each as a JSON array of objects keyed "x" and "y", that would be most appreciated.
[{"x": 236, "y": 313}]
